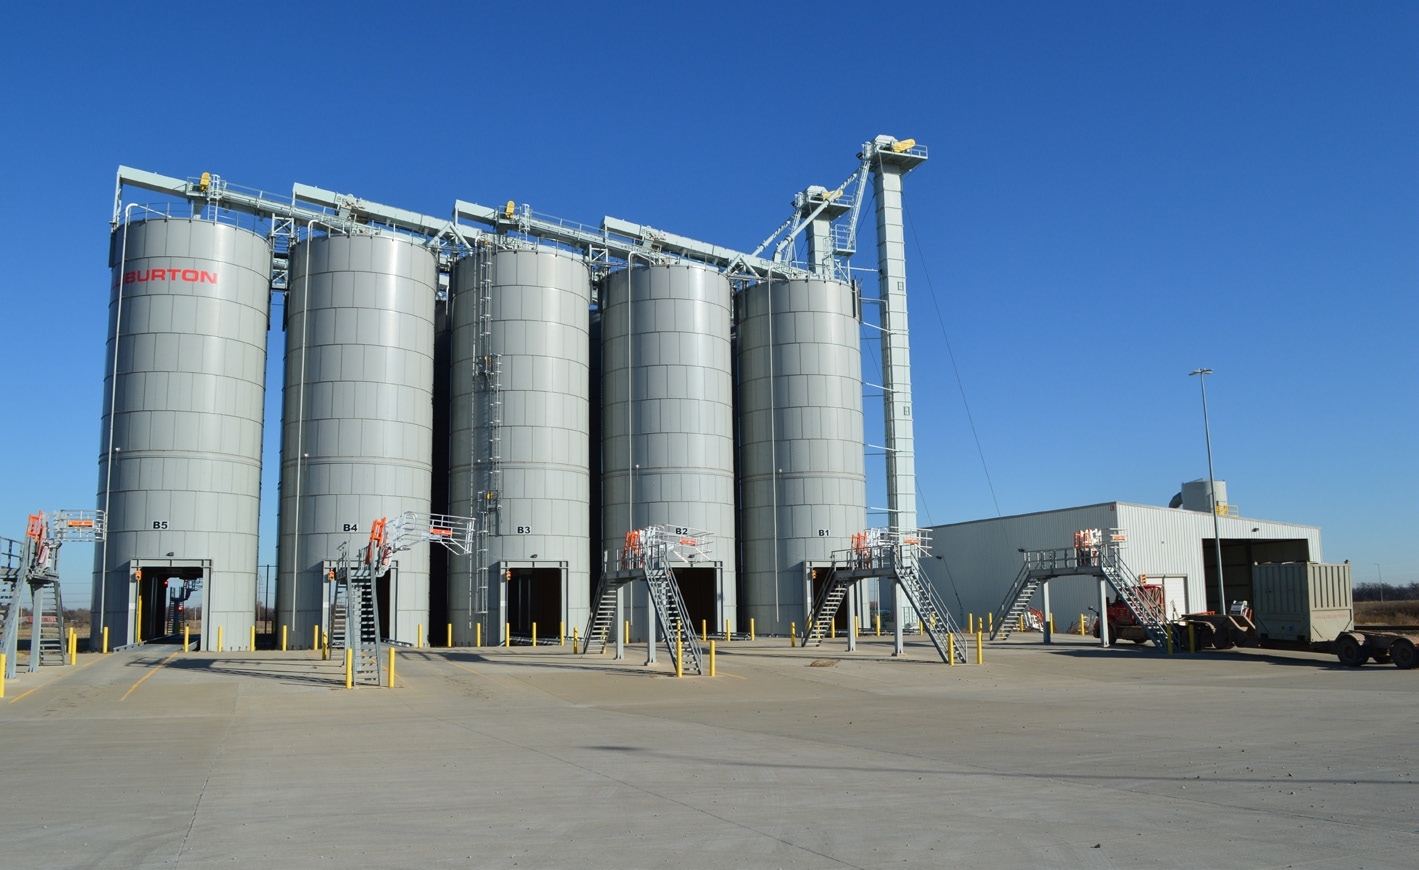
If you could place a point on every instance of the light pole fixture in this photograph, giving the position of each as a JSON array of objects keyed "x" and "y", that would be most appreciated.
[{"x": 1212, "y": 486}]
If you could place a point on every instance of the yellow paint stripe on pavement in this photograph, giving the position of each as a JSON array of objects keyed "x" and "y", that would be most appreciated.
[
  {"x": 146, "y": 676},
  {"x": 53, "y": 681}
]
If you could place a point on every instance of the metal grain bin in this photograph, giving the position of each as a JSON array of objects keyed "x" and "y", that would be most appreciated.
[
  {"x": 804, "y": 490},
  {"x": 184, "y": 394},
  {"x": 358, "y": 419},
  {"x": 519, "y": 419}
]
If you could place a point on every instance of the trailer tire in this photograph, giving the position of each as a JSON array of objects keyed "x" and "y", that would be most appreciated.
[
  {"x": 1402, "y": 653},
  {"x": 1222, "y": 639},
  {"x": 1349, "y": 651}
]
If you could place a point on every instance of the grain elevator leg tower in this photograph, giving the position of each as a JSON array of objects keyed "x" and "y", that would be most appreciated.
[{"x": 890, "y": 160}]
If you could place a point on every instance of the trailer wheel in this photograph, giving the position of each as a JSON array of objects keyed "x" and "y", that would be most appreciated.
[
  {"x": 1349, "y": 651},
  {"x": 1222, "y": 639},
  {"x": 1113, "y": 634},
  {"x": 1403, "y": 654}
]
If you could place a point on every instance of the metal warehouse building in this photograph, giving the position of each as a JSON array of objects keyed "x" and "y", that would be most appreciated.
[{"x": 976, "y": 563}]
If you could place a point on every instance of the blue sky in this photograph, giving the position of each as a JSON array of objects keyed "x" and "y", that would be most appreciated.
[{"x": 1118, "y": 193}]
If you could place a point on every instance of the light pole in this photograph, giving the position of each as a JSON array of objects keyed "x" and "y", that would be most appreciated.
[
  {"x": 1381, "y": 572},
  {"x": 1212, "y": 486}
]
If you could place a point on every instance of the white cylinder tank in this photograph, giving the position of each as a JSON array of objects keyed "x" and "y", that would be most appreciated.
[
  {"x": 804, "y": 490},
  {"x": 184, "y": 394},
  {"x": 519, "y": 420},
  {"x": 358, "y": 422},
  {"x": 668, "y": 419}
]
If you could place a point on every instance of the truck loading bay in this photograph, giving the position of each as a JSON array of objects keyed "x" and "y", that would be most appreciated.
[{"x": 1065, "y": 755}]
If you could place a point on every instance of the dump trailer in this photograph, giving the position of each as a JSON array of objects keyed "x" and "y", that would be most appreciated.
[{"x": 1298, "y": 606}]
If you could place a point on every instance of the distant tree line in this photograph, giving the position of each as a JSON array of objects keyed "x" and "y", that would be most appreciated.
[{"x": 1386, "y": 592}]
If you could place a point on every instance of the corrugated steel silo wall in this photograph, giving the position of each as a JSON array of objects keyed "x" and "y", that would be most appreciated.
[
  {"x": 358, "y": 415},
  {"x": 667, "y": 409},
  {"x": 804, "y": 485},
  {"x": 191, "y": 382},
  {"x": 539, "y": 327}
]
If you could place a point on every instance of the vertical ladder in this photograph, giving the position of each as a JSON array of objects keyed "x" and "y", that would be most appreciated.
[
  {"x": 670, "y": 608},
  {"x": 1012, "y": 607},
  {"x": 486, "y": 461},
  {"x": 47, "y": 624},
  {"x": 600, "y": 627},
  {"x": 935, "y": 619},
  {"x": 826, "y": 609},
  {"x": 1150, "y": 617}
]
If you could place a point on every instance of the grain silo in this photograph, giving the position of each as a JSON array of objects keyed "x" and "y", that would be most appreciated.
[
  {"x": 800, "y": 418},
  {"x": 358, "y": 420},
  {"x": 519, "y": 449},
  {"x": 180, "y": 467},
  {"x": 667, "y": 446}
]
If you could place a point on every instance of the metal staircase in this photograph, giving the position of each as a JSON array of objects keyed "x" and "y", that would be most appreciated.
[
  {"x": 46, "y": 623},
  {"x": 650, "y": 554},
  {"x": 354, "y": 619},
  {"x": 825, "y": 611},
  {"x": 1016, "y": 601},
  {"x": 1151, "y": 617},
  {"x": 894, "y": 556},
  {"x": 1100, "y": 556}
]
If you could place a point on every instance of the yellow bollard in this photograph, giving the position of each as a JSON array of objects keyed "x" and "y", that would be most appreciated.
[
  {"x": 1081, "y": 625},
  {"x": 253, "y": 638},
  {"x": 449, "y": 636},
  {"x": 1191, "y": 639},
  {"x": 105, "y": 640},
  {"x": 138, "y": 623},
  {"x": 534, "y": 634},
  {"x": 73, "y": 647},
  {"x": 603, "y": 641},
  {"x": 507, "y": 634},
  {"x": 856, "y": 621},
  {"x": 751, "y": 628},
  {"x": 712, "y": 671},
  {"x": 793, "y": 634},
  {"x": 2, "y": 675},
  {"x": 980, "y": 648},
  {"x": 990, "y": 622},
  {"x": 877, "y": 618},
  {"x": 833, "y": 629},
  {"x": 186, "y": 637},
  {"x": 727, "y": 636},
  {"x": 970, "y": 623},
  {"x": 1020, "y": 626},
  {"x": 219, "y": 637},
  {"x": 704, "y": 631},
  {"x": 478, "y": 635},
  {"x": 576, "y": 639},
  {"x": 562, "y": 633},
  {"x": 951, "y": 649},
  {"x": 315, "y": 637},
  {"x": 625, "y": 632},
  {"x": 391, "y": 667},
  {"x": 283, "y": 638},
  {"x": 325, "y": 645},
  {"x": 349, "y": 668},
  {"x": 419, "y": 635},
  {"x": 1051, "y": 625},
  {"x": 919, "y": 627},
  {"x": 679, "y": 655}
]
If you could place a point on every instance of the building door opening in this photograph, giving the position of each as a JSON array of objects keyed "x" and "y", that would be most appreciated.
[
  {"x": 534, "y": 595},
  {"x": 168, "y": 599},
  {"x": 384, "y": 596},
  {"x": 699, "y": 587},
  {"x": 1238, "y": 555}
]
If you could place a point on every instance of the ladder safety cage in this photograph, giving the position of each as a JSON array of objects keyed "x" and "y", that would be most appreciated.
[{"x": 457, "y": 534}]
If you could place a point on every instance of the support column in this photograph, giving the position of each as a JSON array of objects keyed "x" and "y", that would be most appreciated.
[
  {"x": 621, "y": 622},
  {"x": 852, "y": 618},
  {"x": 650, "y": 613},
  {"x": 1044, "y": 589},
  {"x": 1103, "y": 612},
  {"x": 897, "y": 595}
]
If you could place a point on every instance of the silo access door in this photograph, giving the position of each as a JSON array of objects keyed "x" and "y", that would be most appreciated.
[
  {"x": 166, "y": 595},
  {"x": 534, "y": 593},
  {"x": 700, "y": 589}
]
